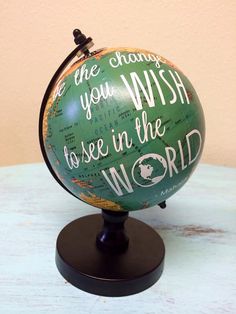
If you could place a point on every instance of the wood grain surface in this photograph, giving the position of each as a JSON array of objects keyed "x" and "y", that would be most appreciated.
[{"x": 198, "y": 228}]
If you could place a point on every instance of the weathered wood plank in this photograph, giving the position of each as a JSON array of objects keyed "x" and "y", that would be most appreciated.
[{"x": 198, "y": 227}]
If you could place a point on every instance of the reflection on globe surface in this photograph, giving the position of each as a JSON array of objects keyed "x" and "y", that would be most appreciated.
[{"x": 123, "y": 129}]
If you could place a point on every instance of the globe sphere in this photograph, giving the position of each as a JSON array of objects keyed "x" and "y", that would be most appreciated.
[{"x": 123, "y": 129}]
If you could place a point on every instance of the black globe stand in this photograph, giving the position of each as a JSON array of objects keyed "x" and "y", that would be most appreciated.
[
  {"x": 110, "y": 254},
  {"x": 113, "y": 237}
]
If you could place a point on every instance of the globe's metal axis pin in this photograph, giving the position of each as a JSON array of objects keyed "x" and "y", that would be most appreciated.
[{"x": 83, "y": 42}]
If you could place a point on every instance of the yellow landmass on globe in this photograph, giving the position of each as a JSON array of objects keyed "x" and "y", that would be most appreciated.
[
  {"x": 134, "y": 50},
  {"x": 45, "y": 117},
  {"x": 97, "y": 201},
  {"x": 82, "y": 184}
]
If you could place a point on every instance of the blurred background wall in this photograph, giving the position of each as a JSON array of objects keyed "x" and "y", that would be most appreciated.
[{"x": 36, "y": 36}]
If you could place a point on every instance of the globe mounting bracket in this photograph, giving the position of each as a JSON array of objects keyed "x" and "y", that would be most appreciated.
[{"x": 84, "y": 43}]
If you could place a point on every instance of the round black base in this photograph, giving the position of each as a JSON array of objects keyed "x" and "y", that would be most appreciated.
[{"x": 82, "y": 264}]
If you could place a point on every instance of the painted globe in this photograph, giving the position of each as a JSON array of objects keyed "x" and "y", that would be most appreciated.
[{"x": 123, "y": 129}]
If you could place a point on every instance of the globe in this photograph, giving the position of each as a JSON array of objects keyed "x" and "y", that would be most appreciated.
[{"x": 123, "y": 129}]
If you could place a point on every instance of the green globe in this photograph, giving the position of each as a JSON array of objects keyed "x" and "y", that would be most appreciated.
[{"x": 123, "y": 129}]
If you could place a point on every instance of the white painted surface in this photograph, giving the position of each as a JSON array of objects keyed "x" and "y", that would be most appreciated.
[{"x": 198, "y": 227}]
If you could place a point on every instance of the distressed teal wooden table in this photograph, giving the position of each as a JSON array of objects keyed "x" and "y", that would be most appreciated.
[{"x": 198, "y": 227}]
